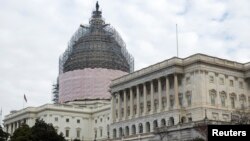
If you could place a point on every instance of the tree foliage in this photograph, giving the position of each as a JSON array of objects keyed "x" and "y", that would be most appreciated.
[
  {"x": 3, "y": 135},
  {"x": 22, "y": 134},
  {"x": 41, "y": 131}
]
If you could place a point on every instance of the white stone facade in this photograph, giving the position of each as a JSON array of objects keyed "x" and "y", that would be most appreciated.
[
  {"x": 177, "y": 91},
  {"x": 172, "y": 94},
  {"x": 73, "y": 121}
]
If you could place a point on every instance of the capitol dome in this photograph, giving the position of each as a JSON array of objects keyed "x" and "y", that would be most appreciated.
[{"x": 96, "y": 54}]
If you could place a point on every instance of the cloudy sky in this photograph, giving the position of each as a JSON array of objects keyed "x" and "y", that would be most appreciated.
[{"x": 33, "y": 33}]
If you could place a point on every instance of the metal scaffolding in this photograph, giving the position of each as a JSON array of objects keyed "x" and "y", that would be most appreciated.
[{"x": 94, "y": 46}]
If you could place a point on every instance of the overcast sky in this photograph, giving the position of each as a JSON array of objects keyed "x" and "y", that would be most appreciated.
[{"x": 33, "y": 33}]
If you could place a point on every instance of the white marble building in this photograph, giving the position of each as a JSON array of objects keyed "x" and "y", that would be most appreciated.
[
  {"x": 177, "y": 91},
  {"x": 75, "y": 122},
  {"x": 170, "y": 96},
  {"x": 174, "y": 94}
]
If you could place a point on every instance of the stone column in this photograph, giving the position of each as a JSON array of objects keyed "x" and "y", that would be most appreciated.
[
  {"x": 125, "y": 104},
  {"x": 152, "y": 96},
  {"x": 159, "y": 95},
  {"x": 145, "y": 98},
  {"x": 119, "y": 106},
  {"x": 167, "y": 93},
  {"x": 112, "y": 107},
  {"x": 131, "y": 102},
  {"x": 137, "y": 100},
  {"x": 176, "y": 92}
]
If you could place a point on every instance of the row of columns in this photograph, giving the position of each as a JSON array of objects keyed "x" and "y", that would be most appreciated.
[
  {"x": 131, "y": 102},
  {"x": 10, "y": 128}
]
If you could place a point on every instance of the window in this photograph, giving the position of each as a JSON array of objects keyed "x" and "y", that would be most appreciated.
[
  {"x": 96, "y": 121},
  {"x": 67, "y": 120},
  {"x": 67, "y": 132},
  {"x": 223, "y": 103},
  {"x": 215, "y": 116},
  {"x": 249, "y": 101},
  {"x": 242, "y": 101},
  {"x": 149, "y": 106},
  {"x": 56, "y": 128},
  {"x": 78, "y": 121},
  {"x": 241, "y": 85},
  {"x": 181, "y": 99},
  {"x": 212, "y": 94},
  {"x": 56, "y": 118},
  {"x": 211, "y": 79},
  {"x": 101, "y": 118},
  {"x": 232, "y": 102},
  {"x": 171, "y": 101},
  {"x": 213, "y": 100},
  {"x": 221, "y": 81},
  {"x": 78, "y": 133},
  {"x": 155, "y": 104},
  {"x": 225, "y": 117},
  {"x": 100, "y": 132},
  {"x": 189, "y": 98},
  {"x": 188, "y": 80},
  {"x": 231, "y": 83},
  {"x": 223, "y": 99}
]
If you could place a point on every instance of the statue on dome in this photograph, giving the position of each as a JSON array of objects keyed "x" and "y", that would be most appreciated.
[{"x": 97, "y": 6}]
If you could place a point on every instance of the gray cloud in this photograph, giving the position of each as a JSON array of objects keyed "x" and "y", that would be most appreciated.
[{"x": 34, "y": 34}]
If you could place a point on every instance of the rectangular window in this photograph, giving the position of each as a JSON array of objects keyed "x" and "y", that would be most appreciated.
[
  {"x": 67, "y": 120},
  {"x": 232, "y": 102},
  {"x": 78, "y": 132},
  {"x": 231, "y": 83},
  {"x": 188, "y": 80},
  {"x": 78, "y": 121},
  {"x": 213, "y": 100},
  {"x": 223, "y": 101},
  {"x": 181, "y": 99},
  {"x": 241, "y": 85},
  {"x": 100, "y": 132},
  {"x": 56, "y": 118},
  {"x": 67, "y": 133},
  {"x": 189, "y": 100}
]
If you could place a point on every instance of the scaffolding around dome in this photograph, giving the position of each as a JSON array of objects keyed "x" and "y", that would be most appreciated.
[{"x": 86, "y": 29}]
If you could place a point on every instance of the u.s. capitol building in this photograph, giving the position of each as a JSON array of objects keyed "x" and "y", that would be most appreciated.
[{"x": 101, "y": 97}]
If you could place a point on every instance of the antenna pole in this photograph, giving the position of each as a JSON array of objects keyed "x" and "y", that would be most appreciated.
[{"x": 177, "y": 48}]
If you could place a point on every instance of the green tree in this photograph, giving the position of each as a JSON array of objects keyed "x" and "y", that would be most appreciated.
[
  {"x": 3, "y": 135},
  {"x": 23, "y": 133},
  {"x": 42, "y": 131}
]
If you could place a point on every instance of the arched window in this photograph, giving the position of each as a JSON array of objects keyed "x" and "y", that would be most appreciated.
[
  {"x": 120, "y": 132},
  {"x": 171, "y": 121},
  {"x": 147, "y": 127},
  {"x": 155, "y": 124},
  {"x": 133, "y": 129},
  {"x": 114, "y": 133},
  {"x": 183, "y": 120},
  {"x": 127, "y": 131},
  {"x": 163, "y": 122}
]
